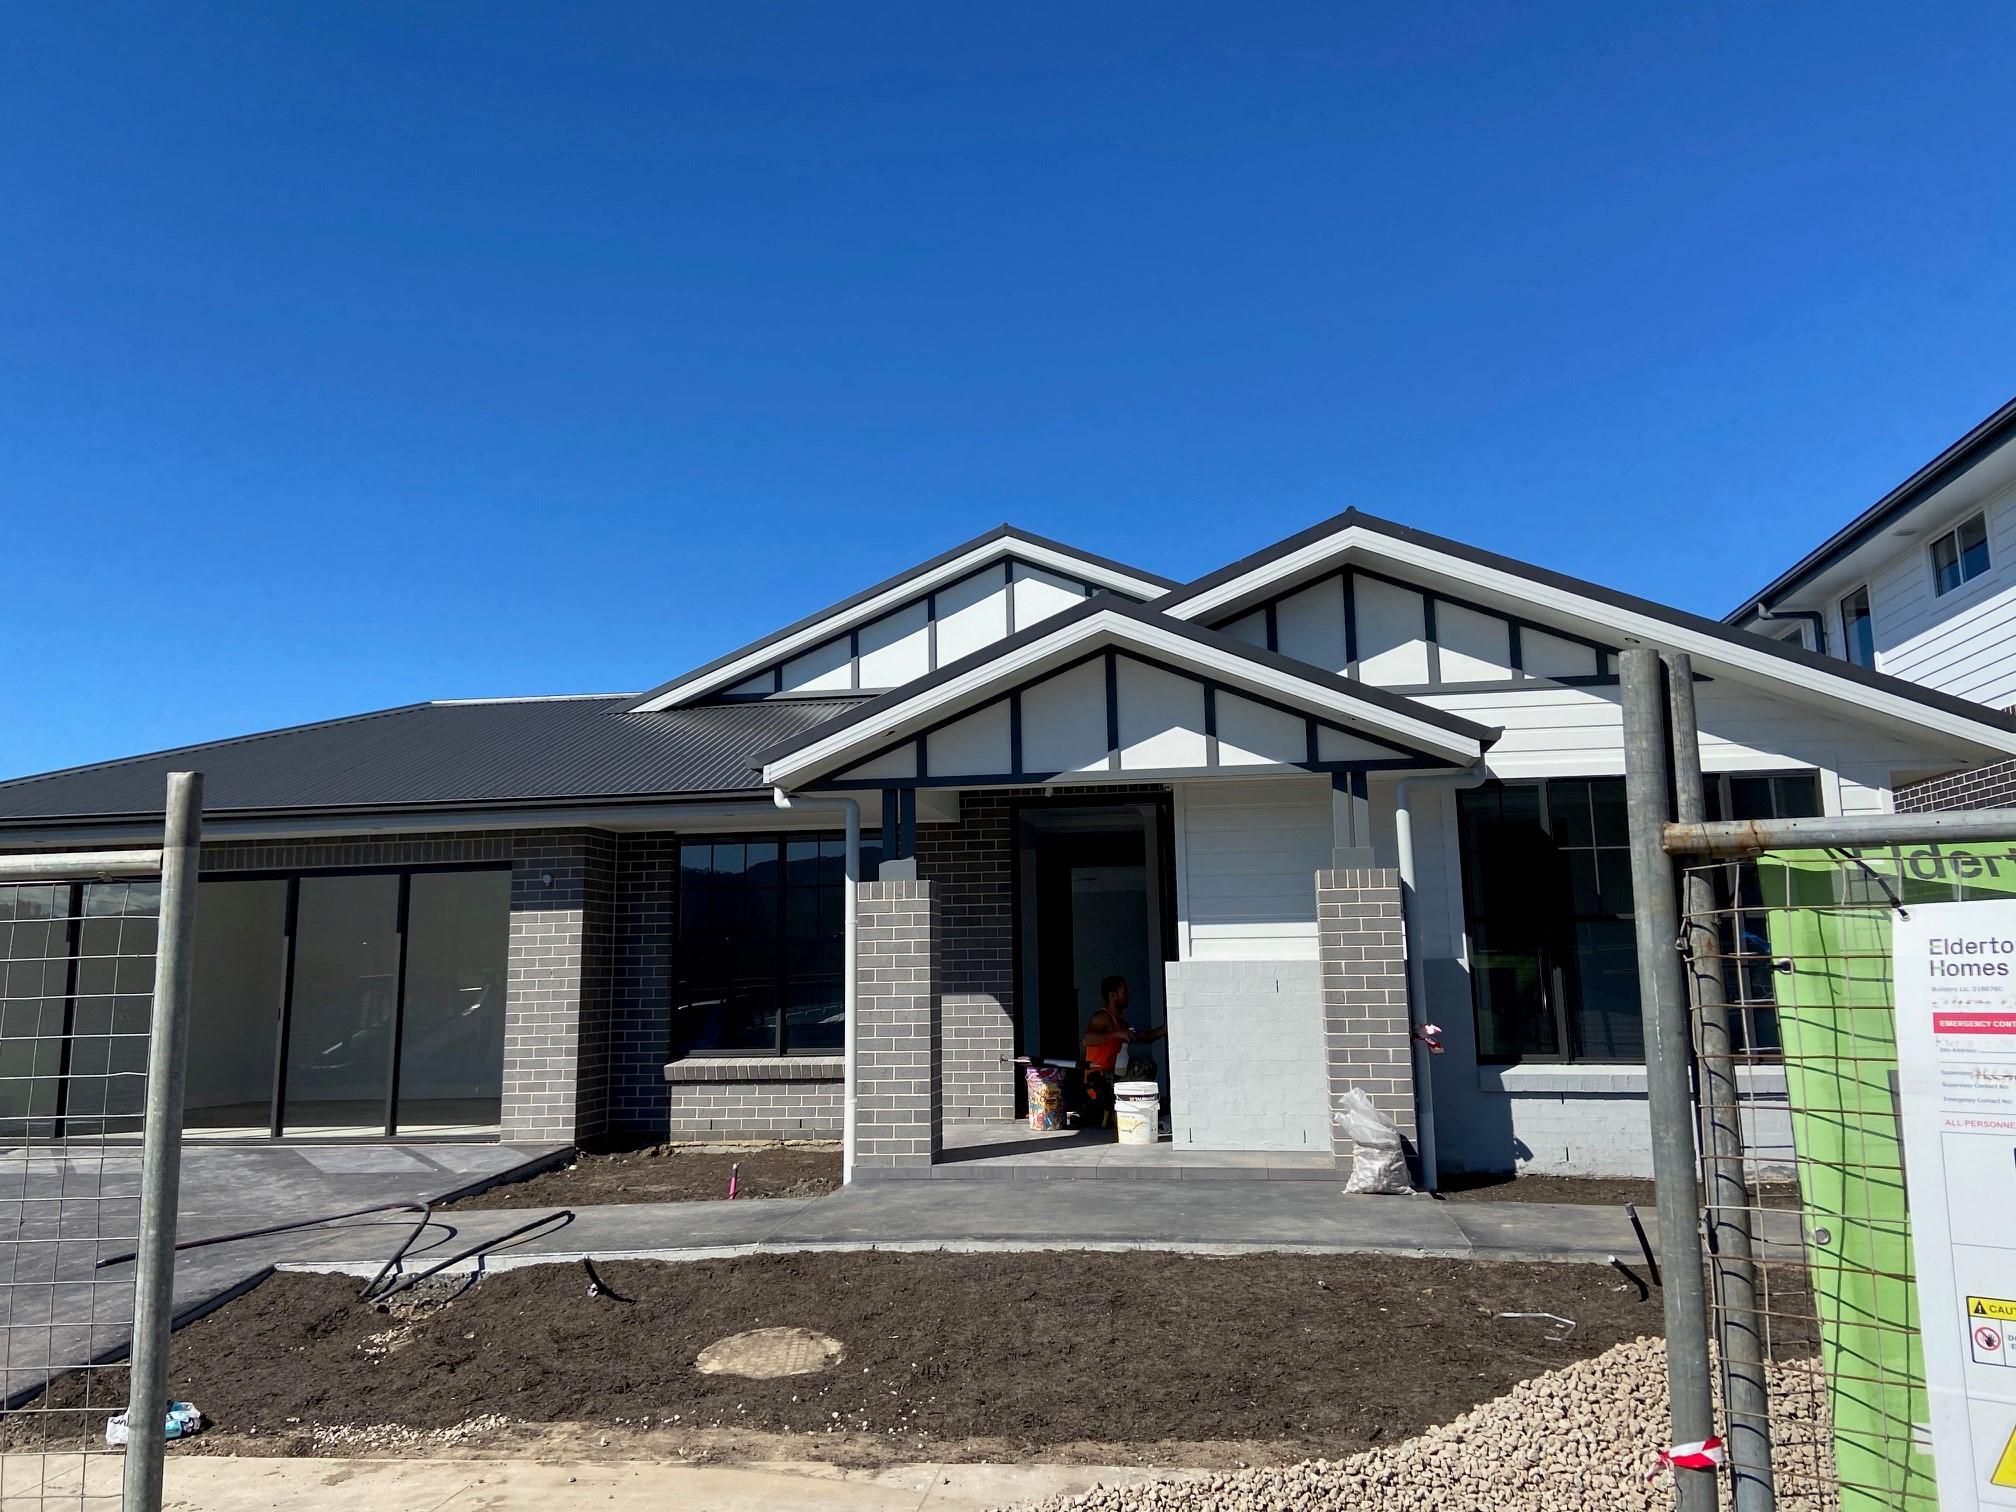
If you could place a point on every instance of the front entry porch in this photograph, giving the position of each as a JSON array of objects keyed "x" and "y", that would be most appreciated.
[{"x": 1003, "y": 1150}]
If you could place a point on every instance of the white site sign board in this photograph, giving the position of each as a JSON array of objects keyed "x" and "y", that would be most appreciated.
[{"x": 1955, "y": 967}]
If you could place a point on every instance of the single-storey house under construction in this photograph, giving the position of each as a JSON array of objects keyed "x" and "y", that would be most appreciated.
[{"x": 1362, "y": 782}]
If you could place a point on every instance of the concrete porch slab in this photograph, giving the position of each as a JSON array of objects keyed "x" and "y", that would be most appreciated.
[{"x": 1011, "y": 1151}]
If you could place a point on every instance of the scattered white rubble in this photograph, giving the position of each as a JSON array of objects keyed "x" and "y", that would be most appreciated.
[{"x": 1579, "y": 1439}]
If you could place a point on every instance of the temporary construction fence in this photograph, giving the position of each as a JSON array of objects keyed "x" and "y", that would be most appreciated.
[
  {"x": 1780, "y": 1152},
  {"x": 94, "y": 992}
]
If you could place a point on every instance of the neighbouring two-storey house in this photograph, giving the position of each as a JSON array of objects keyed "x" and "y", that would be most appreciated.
[
  {"x": 1361, "y": 782},
  {"x": 1921, "y": 585}
]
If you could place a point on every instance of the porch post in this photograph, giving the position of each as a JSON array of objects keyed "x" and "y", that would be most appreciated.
[
  {"x": 1364, "y": 964},
  {"x": 1350, "y": 821},
  {"x": 899, "y": 1027}
]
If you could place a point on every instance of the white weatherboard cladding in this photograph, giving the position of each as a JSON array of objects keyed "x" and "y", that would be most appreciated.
[
  {"x": 1962, "y": 642},
  {"x": 977, "y": 744},
  {"x": 972, "y": 614},
  {"x": 1392, "y": 646},
  {"x": 1249, "y": 851},
  {"x": 823, "y": 669},
  {"x": 1309, "y": 625},
  {"x": 1474, "y": 647},
  {"x": 1064, "y": 721},
  {"x": 1040, "y": 594},
  {"x": 1555, "y": 730},
  {"x": 1161, "y": 718},
  {"x": 896, "y": 648},
  {"x": 1253, "y": 734}
]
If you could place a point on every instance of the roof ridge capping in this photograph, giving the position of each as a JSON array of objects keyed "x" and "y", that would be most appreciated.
[
  {"x": 891, "y": 593},
  {"x": 1149, "y": 615}
]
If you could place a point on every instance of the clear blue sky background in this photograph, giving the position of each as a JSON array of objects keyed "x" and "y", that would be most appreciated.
[{"x": 356, "y": 354}]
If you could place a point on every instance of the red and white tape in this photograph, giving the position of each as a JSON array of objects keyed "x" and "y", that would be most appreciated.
[{"x": 1705, "y": 1455}]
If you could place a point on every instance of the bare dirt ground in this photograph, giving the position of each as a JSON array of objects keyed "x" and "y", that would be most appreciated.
[
  {"x": 673, "y": 1173},
  {"x": 1151, "y": 1358}
]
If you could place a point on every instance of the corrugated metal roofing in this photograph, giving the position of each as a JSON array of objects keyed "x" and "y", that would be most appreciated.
[{"x": 512, "y": 750}]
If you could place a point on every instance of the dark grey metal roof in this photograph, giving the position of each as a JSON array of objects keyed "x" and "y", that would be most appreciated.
[{"x": 433, "y": 755}]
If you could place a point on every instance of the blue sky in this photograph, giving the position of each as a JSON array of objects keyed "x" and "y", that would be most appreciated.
[{"x": 356, "y": 354}]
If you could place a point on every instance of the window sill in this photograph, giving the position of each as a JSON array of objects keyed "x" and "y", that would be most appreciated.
[
  {"x": 777, "y": 1068},
  {"x": 1595, "y": 1080}
]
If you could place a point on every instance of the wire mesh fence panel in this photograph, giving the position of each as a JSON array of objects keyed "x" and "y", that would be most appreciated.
[
  {"x": 77, "y": 969},
  {"x": 1798, "y": 1062}
]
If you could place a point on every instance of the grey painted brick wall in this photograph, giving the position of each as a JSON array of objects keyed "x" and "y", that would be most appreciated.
[
  {"x": 754, "y": 1097},
  {"x": 640, "y": 1021},
  {"x": 899, "y": 1087},
  {"x": 971, "y": 868},
  {"x": 1982, "y": 788},
  {"x": 1363, "y": 956},
  {"x": 557, "y": 1006}
]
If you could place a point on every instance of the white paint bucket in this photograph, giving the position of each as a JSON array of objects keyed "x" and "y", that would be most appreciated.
[{"x": 1137, "y": 1107}]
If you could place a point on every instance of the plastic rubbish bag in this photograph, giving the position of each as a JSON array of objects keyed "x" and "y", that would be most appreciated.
[
  {"x": 184, "y": 1418},
  {"x": 1379, "y": 1165}
]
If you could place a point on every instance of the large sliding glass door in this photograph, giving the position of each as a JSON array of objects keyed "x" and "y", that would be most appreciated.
[
  {"x": 347, "y": 1003},
  {"x": 343, "y": 1012}
]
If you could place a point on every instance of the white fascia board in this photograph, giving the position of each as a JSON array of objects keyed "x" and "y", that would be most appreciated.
[
  {"x": 1355, "y": 542},
  {"x": 1042, "y": 654},
  {"x": 894, "y": 597}
]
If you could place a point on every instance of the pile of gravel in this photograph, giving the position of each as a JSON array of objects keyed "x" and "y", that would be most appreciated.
[{"x": 1579, "y": 1439}]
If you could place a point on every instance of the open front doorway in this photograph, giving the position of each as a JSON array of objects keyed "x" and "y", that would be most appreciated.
[{"x": 1093, "y": 900}]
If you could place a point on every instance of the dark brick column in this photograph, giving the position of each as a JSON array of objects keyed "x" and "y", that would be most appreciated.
[
  {"x": 971, "y": 866},
  {"x": 899, "y": 1024},
  {"x": 556, "y": 1007},
  {"x": 1363, "y": 954}
]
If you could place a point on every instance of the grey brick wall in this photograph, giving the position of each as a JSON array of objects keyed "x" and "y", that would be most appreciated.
[
  {"x": 557, "y": 1007},
  {"x": 1983, "y": 788},
  {"x": 899, "y": 1087},
  {"x": 640, "y": 1023},
  {"x": 753, "y": 1097},
  {"x": 971, "y": 868},
  {"x": 1362, "y": 953}
]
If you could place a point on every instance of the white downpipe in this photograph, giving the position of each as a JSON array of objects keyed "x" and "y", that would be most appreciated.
[
  {"x": 849, "y": 964},
  {"x": 1417, "y": 988}
]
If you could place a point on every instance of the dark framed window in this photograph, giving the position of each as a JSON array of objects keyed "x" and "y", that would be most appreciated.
[
  {"x": 758, "y": 944},
  {"x": 1960, "y": 555},
  {"x": 1548, "y": 907},
  {"x": 1749, "y": 981},
  {"x": 1858, "y": 629},
  {"x": 350, "y": 1000}
]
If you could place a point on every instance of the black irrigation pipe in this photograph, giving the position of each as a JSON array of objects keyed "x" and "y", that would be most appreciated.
[
  {"x": 425, "y": 1210},
  {"x": 1645, "y": 1244},
  {"x": 482, "y": 1247}
]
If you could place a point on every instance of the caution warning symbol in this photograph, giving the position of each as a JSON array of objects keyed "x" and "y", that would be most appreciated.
[
  {"x": 2002, "y": 1309},
  {"x": 2005, "y": 1470}
]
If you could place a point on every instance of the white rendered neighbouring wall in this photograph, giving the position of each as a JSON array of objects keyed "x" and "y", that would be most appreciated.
[{"x": 1246, "y": 1053}]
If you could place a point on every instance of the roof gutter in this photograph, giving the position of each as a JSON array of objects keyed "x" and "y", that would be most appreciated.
[{"x": 1763, "y": 611}]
